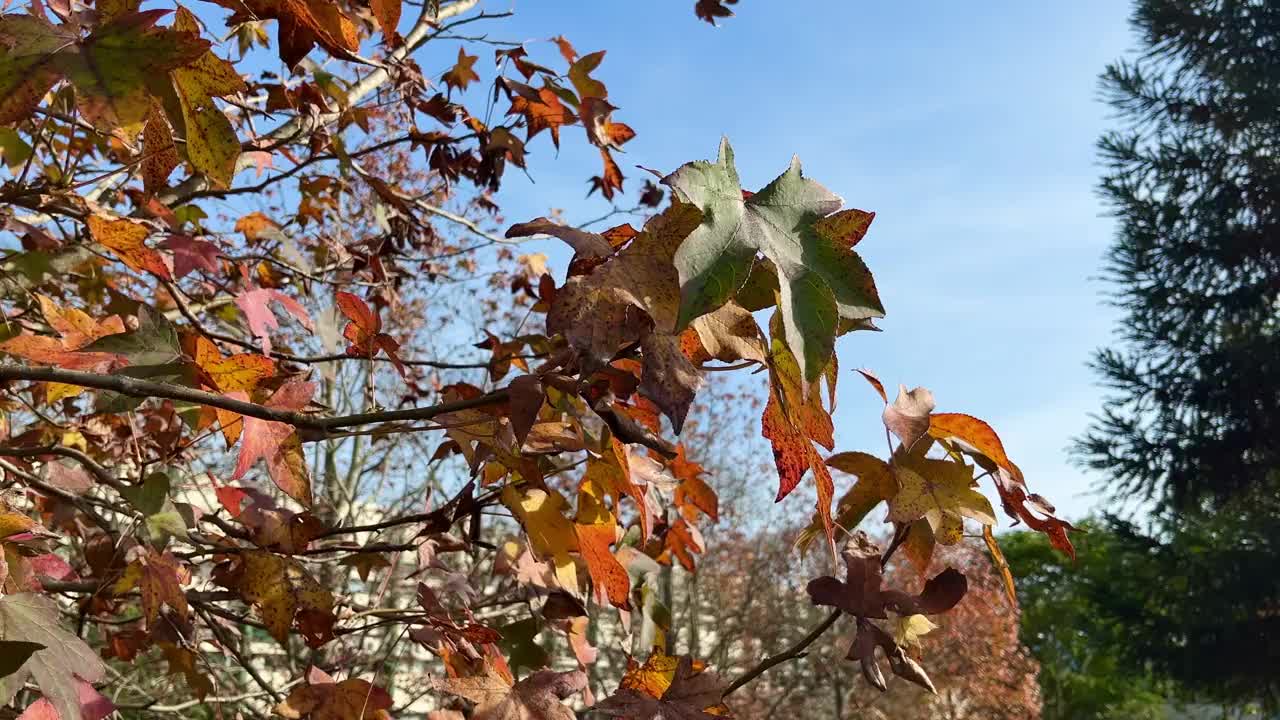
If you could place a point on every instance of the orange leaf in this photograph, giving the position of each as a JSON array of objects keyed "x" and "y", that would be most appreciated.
[
  {"x": 606, "y": 572},
  {"x": 693, "y": 494},
  {"x": 462, "y": 73},
  {"x": 256, "y": 226},
  {"x": 975, "y": 433},
  {"x": 387, "y": 12},
  {"x": 124, "y": 238},
  {"x": 75, "y": 326}
]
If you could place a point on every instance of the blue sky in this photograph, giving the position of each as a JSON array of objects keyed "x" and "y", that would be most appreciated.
[{"x": 967, "y": 127}]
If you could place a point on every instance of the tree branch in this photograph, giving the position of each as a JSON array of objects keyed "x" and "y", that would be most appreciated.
[
  {"x": 798, "y": 650},
  {"x": 795, "y": 651},
  {"x": 320, "y": 425},
  {"x": 302, "y": 125},
  {"x": 90, "y": 464}
]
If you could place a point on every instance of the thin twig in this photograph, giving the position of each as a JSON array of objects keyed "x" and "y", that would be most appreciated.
[{"x": 795, "y": 651}]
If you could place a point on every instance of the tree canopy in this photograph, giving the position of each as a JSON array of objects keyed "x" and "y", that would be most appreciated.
[{"x": 287, "y": 417}]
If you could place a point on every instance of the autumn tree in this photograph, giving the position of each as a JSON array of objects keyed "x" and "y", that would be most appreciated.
[{"x": 290, "y": 428}]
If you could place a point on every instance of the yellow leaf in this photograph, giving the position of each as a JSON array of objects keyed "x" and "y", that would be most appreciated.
[
  {"x": 551, "y": 534},
  {"x": 907, "y": 630}
]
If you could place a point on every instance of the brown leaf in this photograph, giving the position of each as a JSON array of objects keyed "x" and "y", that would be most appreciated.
[
  {"x": 462, "y": 73},
  {"x": 536, "y": 697},
  {"x": 730, "y": 333},
  {"x": 303, "y": 25},
  {"x": 861, "y": 593},
  {"x": 585, "y": 244},
  {"x": 283, "y": 592},
  {"x": 159, "y": 154},
  {"x": 323, "y": 698},
  {"x": 159, "y": 577}
]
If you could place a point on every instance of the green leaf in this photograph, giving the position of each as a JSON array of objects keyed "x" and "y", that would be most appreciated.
[
  {"x": 212, "y": 145},
  {"x": 113, "y": 68},
  {"x": 167, "y": 524},
  {"x": 155, "y": 342},
  {"x": 151, "y": 495},
  {"x": 13, "y": 149},
  {"x": 164, "y": 519},
  {"x": 519, "y": 644},
  {"x": 821, "y": 279},
  {"x": 28, "y": 46}
]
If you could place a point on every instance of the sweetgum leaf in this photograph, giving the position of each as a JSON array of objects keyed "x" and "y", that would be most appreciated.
[
  {"x": 212, "y": 145},
  {"x": 324, "y": 698},
  {"x": 536, "y": 697},
  {"x": 689, "y": 696},
  {"x": 154, "y": 343},
  {"x": 28, "y": 45},
  {"x": 821, "y": 279},
  {"x": 113, "y": 67},
  {"x": 26, "y": 617}
]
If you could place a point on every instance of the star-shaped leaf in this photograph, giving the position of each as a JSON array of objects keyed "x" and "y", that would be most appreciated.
[
  {"x": 255, "y": 303},
  {"x": 688, "y": 697},
  {"x": 125, "y": 239},
  {"x": 822, "y": 279},
  {"x": 283, "y": 592},
  {"x": 25, "y": 617},
  {"x": 862, "y": 594},
  {"x": 159, "y": 577},
  {"x": 278, "y": 443},
  {"x": 937, "y": 489}
]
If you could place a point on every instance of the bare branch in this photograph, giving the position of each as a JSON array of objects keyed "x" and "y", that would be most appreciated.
[{"x": 320, "y": 425}]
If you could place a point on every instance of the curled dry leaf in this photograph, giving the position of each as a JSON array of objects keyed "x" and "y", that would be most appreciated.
[
  {"x": 537, "y": 697},
  {"x": 323, "y": 698},
  {"x": 862, "y": 594},
  {"x": 908, "y": 416}
]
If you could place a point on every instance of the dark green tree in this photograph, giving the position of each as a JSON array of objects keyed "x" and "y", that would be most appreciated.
[
  {"x": 1076, "y": 620},
  {"x": 1140, "y": 622},
  {"x": 1193, "y": 414},
  {"x": 1192, "y": 421}
]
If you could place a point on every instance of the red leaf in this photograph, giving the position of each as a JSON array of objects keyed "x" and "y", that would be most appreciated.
[
  {"x": 190, "y": 253},
  {"x": 277, "y": 443},
  {"x": 256, "y": 306},
  {"x": 93, "y": 706}
]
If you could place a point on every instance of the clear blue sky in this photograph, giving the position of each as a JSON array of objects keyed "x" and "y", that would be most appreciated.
[{"x": 967, "y": 127}]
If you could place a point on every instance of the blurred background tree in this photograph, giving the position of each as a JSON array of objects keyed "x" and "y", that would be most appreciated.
[{"x": 1185, "y": 603}]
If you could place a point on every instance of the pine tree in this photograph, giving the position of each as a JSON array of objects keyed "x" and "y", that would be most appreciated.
[
  {"x": 1193, "y": 415},
  {"x": 1192, "y": 422}
]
